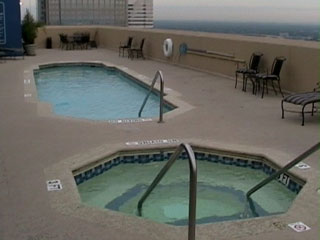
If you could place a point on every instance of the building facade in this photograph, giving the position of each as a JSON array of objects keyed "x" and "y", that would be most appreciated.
[
  {"x": 131, "y": 13},
  {"x": 140, "y": 13}
]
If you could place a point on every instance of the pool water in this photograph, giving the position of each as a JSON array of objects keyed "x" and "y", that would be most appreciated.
[
  {"x": 94, "y": 92},
  {"x": 221, "y": 192}
]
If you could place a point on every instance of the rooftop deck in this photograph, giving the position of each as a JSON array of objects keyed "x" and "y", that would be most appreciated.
[{"x": 221, "y": 116}]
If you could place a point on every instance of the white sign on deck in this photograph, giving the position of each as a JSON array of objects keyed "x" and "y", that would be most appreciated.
[
  {"x": 302, "y": 165},
  {"x": 138, "y": 120},
  {"x": 152, "y": 142},
  {"x": 299, "y": 227},
  {"x": 54, "y": 185}
]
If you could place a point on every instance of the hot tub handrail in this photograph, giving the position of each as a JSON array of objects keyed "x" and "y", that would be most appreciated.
[
  {"x": 192, "y": 185},
  {"x": 160, "y": 76},
  {"x": 284, "y": 169}
]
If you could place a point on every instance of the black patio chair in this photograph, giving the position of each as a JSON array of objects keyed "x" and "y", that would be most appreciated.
[
  {"x": 137, "y": 51},
  {"x": 251, "y": 69},
  {"x": 302, "y": 99},
  {"x": 93, "y": 42},
  {"x": 77, "y": 39},
  {"x": 85, "y": 40},
  {"x": 127, "y": 46},
  {"x": 64, "y": 42},
  {"x": 266, "y": 77}
]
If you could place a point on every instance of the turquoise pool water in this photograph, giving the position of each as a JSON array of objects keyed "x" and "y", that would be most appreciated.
[
  {"x": 220, "y": 194},
  {"x": 93, "y": 92}
]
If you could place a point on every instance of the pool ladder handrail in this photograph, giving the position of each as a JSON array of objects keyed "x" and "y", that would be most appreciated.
[
  {"x": 192, "y": 185},
  {"x": 284, "y": 169},
  {"x": 160, "y": 76}
]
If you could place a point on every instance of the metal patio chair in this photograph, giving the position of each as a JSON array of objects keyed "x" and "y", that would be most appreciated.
[
  {"x": 303, "y": 99},
  {"x": 137, "y": 51},
  {"x": 251, "y": 69},
  {"x": 127, "y": 46},
  {"x": 264, "y": 78}
]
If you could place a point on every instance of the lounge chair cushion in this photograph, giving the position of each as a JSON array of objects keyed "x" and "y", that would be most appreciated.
[{"x": 303, "y": 98}]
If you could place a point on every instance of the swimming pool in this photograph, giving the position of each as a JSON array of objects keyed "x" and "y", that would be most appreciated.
[
  {"x": 93, "y": 91},
  {"x": 223, "y": 181}
]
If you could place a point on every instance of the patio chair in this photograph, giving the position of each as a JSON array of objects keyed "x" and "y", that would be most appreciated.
[
  {"x": 251, "y": 69},
  {"x": 138, "y": 51},
  {"x": 266, "y": 77},
  {"x": 302, "y": 99},
  {"x": 85, "y": 40},
  {"x": 93, "y": 42},
  {"x": 64, "y": 42},
  {"x": 77, "y": 39},
  {"x": 127, "y": 46}
]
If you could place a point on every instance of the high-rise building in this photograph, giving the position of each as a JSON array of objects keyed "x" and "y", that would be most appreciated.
[
  {"x": 131, "y": 13},
  {"x": 140, "y": 13}
]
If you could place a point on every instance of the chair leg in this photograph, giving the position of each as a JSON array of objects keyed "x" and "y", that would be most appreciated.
[
  {"x": 235, "y": 86},
  {"x": 243, "y": 82},
  {"x": 312, "y": 110},
  {"x": 280, "y": 89},
  {"x": 273, "y": 87},
  {"x": 303, "y": 115},
  {"x": 263, "y": 83},
  {"x": 253, "y": 85},
  {"x": 282, "y": 110}
]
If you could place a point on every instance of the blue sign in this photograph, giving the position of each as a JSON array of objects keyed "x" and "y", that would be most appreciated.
[
  {"x": 2, "y": 24},
  {"x": 10, "y": 24}
]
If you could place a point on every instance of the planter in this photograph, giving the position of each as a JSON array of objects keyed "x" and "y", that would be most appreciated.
[{"x": 30, "y": 49}]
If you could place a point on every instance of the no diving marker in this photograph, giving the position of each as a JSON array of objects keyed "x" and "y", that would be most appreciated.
[
  {"x": 302, "y": 165},
  {"x": 299, "y": 227},
  {"x": 152, "y": 142},
  {"x": 54, "y": 185}
]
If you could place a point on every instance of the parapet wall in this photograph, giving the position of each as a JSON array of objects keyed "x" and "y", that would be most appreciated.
[{"x": 300, "y": 72}]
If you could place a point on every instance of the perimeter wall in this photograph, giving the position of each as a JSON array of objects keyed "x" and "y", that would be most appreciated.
[{"x": 300, "y": 72}]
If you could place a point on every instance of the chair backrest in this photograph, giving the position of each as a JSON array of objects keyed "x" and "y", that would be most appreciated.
[
  {"x": 255, "y": 60},
  {"x": 85, "y": 38},
  {"x": 129, "y": 43},
  {"x": 277, "y": 65},
  {"x": 63, "y": 38},
  {"x": 141, "y": 44}
]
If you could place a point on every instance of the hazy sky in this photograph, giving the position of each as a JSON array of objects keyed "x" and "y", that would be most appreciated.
[{"x": 295, "y": 11}]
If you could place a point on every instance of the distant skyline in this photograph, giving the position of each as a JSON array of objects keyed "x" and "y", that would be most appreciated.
[{"x": 270, "y": 11}]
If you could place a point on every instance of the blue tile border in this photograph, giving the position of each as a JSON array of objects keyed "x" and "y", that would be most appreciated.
[{"x": 143, "y": 158}]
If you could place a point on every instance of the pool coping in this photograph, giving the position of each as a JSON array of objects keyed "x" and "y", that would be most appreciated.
[
  {"x": 44, "y": 109},
  {"x": 67, "y": 201}
]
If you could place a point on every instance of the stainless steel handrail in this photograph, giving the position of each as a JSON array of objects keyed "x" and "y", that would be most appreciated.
[
  {"x": 192, "y": 186},
  {"x": 284, "y": 169},
  {"x": 158, "y": 74}
]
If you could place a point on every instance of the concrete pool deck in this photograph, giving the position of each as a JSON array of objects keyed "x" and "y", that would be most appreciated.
[{"x": 32, "y": 146}]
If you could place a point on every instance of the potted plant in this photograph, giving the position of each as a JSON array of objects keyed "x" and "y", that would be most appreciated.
[{"x": 29, "y": 33}]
